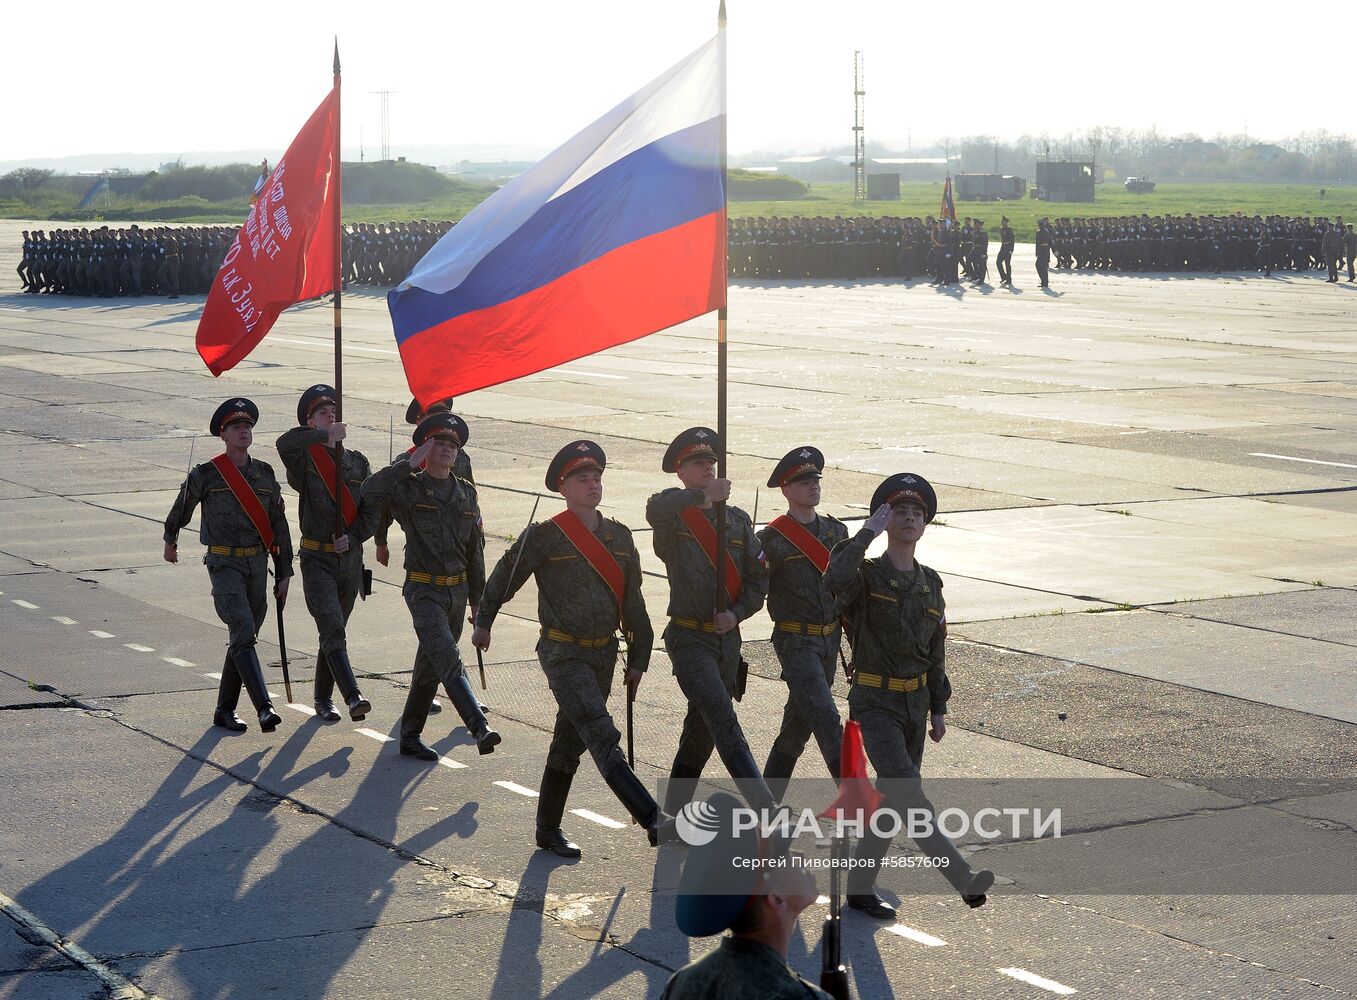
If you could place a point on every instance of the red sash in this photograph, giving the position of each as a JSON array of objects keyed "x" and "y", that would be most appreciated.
[
  {"x": 325, "y": 465},
  {"x": 706, "y": 537},
  {"x": 795, "y": 532},
  {"x": 595, "y": 553},
  {"x": 247, "y": 498}
]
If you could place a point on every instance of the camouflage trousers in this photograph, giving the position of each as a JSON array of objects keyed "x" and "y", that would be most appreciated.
[
  {"x": 808, "y": 666},
  {"x": 240, "y": 592},
  {"x": 437, "y": 613},
  {"x": 707, "y": 679},
  {"x": 894, "y": 726},
  {"x": 581, "y": 681},
  {"x": 330, "y": 584}
]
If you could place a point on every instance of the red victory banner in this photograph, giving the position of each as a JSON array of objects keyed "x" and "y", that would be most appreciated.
[{"x": 285, "y": 251}]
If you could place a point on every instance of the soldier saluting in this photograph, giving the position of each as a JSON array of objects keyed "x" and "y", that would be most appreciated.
[
  {"x": 900, "y": 688},
  {"x": 703, "y": 644},
  {"x": 332, "y": 564},
  {"x": 242, "y": 524},
  {"x": 806, "y": 629},
  {"x": 588, "y": 588},
  {"x": 444, "y": 571}
]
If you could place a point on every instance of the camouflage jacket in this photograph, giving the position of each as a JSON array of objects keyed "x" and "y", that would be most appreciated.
[
  {"x": 571, "y": 597},
  {"x": 899, "y": 617},
  {"x": 317, "y": 511},
  {"x": 796, "y": 590},
  {"x": 382, "y": 518},
  {"x": 442, "y": 537},
  {"x": 224, "y": 521},
  {"x": 740, "y": 969},
  {"x": 692, "y": 578}
]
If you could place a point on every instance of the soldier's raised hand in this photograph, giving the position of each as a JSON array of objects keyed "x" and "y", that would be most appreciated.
[
  {"x": 718, "y": 491},
  {"x": 877, "y": 522},
  {"x": 338, "y": 432}
]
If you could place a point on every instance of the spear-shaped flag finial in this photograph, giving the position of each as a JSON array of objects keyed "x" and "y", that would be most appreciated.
[
  {"x": 721, "y": 15},
  {"x": 337, "y": 54}
]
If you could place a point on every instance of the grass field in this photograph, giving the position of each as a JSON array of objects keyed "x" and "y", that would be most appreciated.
[
  {"x": 919, "y": 199},
  {"x": 922, "y": 200}
]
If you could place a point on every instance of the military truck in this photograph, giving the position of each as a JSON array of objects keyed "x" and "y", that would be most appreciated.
[{"x": 1139, "y": 185}]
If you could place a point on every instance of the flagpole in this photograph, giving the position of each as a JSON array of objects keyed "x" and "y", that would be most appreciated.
[
  {"x": 722, "y": 598},
  {"x": 336, "y": 178}
]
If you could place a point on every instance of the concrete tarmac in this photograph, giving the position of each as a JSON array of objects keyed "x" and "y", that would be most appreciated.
[{"x": 1148, "y": 536}]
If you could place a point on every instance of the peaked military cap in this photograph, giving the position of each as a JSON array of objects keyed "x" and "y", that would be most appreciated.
[
  {"x": 907, "y": 486},
  {"x": 237, "y": 408},
  {"x": 713, "y": 890},
  {"x": 414, "y": 413},
  {"x": 695, "y": 442},
  {"x": 572, "y": 458},
  {"x": 313, "y": 397},
  {"x": 799, "y": 463},
  {"x": 441, "y": 422}
]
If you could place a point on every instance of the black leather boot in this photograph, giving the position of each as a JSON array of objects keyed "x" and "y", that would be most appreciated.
[
  {"x": 640, "y": 804},
  {"x": 228, "y": 694},
  {"x": 550, "y": 807},
  {"x": 322, "y": 689},
  {"x": 464, "y": 700},
  {"x": 777, "y": 773},
  {"x": 342, "y": 671},
  {"x": 681, "y": 787},
  {"x": 748, "y": 778},
  {"x": 252, "y": 676}
]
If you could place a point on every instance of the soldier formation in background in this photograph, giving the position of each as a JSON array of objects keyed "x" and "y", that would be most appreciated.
[{"x": 130, "y": 262}]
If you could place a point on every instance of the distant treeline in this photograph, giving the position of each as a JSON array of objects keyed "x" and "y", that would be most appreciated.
[{"x": 175, "y": 191}]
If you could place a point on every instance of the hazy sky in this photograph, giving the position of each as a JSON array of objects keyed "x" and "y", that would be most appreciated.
[{"x": 96, "y": 77}]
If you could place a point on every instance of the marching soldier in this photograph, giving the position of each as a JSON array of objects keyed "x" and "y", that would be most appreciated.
[
  {"x": 588, "y": 588},
  {"x": 1045, "y": 239},
  {"x": 242, "y": 524},
  {"x": 1004, "y": 261},
  {"x": 900, "y": 688},
  {"x": 332, "y": 564},
  {"x": 703, "y": 645},
  {"x": 806, "y": 629},
  {"x": 462, "y": 470},
  {"x": 444, "y": 572}
]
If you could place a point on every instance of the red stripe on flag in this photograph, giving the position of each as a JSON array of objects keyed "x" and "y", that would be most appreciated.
[{"x": 624, "y": 295}]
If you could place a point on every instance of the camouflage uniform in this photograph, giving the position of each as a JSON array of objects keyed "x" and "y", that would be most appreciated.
[
  {"x": 898, "y": 636},
  {"x": 443, "y": 542},
  {"x": 330, "y": 581},
  {"x": 706, "y": 664},
  {"x": 240, "y": 586},
  {"x": 801, "y": 606},
  {"x": 740, "y": 969},
  {"x": 578, "y": 652}
]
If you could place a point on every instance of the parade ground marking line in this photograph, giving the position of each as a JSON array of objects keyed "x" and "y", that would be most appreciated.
[
  {"x": 372, "y": 734},
  {"x": 213, "y": 677},
  {"x": 102, "y": 635},
  {"x": 304, "y": 709},
  {"x": 63, "y": 620},
  {"x": 451, "y": 764},
  {"x": 137, "y": 648},
  {"x": 117, "y": 987},
  {"x": 25, "y": 604},
  {"x": 1281, "y": 458},
  {"x": 382, "y": 350},
  {"x": 918, "y": 937},
  {"x": 594, "y": 817},
  {"x": 178, "y": 662},
  {"x": 1041, "y": 982},
  {"x": 517, "y": 788}
]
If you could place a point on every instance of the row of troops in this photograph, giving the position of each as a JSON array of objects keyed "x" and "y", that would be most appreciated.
[
  {"x": 907, "y": 248},
  {"x": 131, "y": 262},
  {"x": 1206, "y": 243},
  {"x": 813, "y": 575}
]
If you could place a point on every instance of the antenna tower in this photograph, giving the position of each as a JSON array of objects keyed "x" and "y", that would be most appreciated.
[
  {"x": 859, "y": 135},
  {"x": 385, "y": 96}
]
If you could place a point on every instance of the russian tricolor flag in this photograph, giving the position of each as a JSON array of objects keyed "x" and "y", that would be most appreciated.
[{"x": 617, "y": 234}]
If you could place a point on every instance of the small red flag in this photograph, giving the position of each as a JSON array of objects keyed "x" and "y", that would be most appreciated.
[
  {"x": 858, "y": 799},
  {"x": 284, "y": 253}
]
